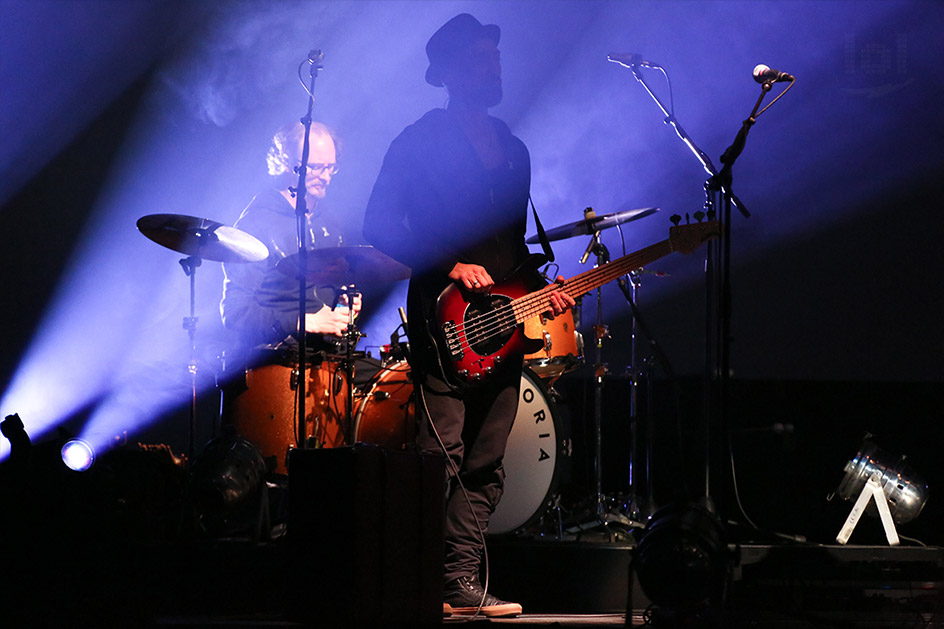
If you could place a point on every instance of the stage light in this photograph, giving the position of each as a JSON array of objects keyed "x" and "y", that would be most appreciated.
[
  {"x": 681, "y": 560},
  {"x": 228, "y": 488},
  {"x": 882, "y": 487},
  {"x": 77, "y": 455}
]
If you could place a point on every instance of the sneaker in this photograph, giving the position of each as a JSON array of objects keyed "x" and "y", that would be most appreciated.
[{"x": 465, "y": 594}]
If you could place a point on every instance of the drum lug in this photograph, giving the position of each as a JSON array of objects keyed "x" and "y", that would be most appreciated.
[
  {"x": 380, "y": 396},
  {"x": 547, "y": 342}
]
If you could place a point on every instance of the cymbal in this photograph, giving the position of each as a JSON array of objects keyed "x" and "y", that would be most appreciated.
[
  {"x": 344, "y": 266},
  {"x": 202, "y": 238},
  {"x": 589, "y": 226}
]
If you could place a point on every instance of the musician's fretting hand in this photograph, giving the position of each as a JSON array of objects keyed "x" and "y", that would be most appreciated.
[
  {"x": 472, "y": 276},
  {"x": 560, "y": 301}
]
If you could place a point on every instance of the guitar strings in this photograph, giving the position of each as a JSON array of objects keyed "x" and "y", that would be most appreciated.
[
  {"x": 485, "y": 326},
  {"x": 488, "y": 325},
  {"x": 493, "y": 323}
]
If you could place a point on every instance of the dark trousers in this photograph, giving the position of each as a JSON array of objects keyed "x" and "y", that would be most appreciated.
[{"x": 474, "y": 428}]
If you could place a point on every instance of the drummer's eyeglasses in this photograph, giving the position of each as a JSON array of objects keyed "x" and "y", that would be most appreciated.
[{"x": 317, "y": 169}]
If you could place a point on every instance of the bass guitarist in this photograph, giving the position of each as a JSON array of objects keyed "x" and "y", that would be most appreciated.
[{"x": 451, "y": 203}]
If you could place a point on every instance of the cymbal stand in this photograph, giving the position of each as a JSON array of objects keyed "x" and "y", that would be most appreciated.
[
  {"x": 629, "y": 286},
  {"x": 189, "y": 266},
  {"x": 601, "y": 517},
  {"x": 600, "y": 330},
  {"x": 351, "y": 337}
]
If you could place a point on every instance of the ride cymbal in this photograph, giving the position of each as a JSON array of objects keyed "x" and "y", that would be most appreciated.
[{"x": 344, "y": 266}]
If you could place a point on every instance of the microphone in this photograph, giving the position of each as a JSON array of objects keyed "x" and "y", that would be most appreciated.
[
  {"x": 630, "y": 60},
  {"x": 765, "y": 74}
]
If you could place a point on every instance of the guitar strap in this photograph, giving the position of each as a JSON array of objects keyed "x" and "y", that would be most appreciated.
[{"x": 545, "y": 244}]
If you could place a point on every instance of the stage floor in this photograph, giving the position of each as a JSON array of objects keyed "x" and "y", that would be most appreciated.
[{"x": 560, "y": 584}]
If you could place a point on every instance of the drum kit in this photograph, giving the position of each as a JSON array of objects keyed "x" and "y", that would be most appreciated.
[{"x": 374, "y": 402}]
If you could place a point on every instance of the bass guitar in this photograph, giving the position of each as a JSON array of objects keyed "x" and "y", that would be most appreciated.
[{"x": 476, "y": 332}]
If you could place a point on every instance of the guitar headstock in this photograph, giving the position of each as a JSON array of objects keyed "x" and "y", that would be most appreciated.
[{"x": 687, "y": 238}]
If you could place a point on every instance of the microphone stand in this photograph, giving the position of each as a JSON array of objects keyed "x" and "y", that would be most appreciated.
[
  {"x": 717, "y": 272},
  {"x": 301, "y": 221}
]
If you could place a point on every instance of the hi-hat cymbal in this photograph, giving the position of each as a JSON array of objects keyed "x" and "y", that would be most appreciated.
[
  {"x": 202, "y": 238},
  {"x": 344, "y": 266},
  {"x": 589, "y": 226}
]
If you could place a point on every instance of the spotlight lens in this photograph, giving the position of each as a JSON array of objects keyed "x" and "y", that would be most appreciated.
[{"x": 78, "y": 455}]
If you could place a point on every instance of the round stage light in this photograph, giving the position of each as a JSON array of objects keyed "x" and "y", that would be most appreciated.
[
  {"x": 904, "y": 489},
  {"x": 77, "y": 455}
]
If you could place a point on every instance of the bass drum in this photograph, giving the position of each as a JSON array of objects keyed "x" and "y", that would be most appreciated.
[{"x": 537, "y": 448}]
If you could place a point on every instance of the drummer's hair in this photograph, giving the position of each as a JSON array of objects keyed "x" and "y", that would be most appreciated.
[{"x": 290, "y": 135}]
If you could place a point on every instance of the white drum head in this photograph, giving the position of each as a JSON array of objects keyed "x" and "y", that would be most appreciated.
[{"x": 530, "y": 459}]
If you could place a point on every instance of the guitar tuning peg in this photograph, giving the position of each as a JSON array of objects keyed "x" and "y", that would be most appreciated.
[
  {"x": 699, "y": 215},
  {"x": 676, "y": 219}
]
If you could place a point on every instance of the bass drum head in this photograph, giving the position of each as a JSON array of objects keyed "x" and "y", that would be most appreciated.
[{"x": 534, "y": 455}]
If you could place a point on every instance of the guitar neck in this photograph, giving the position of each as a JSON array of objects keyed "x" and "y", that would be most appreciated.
[{"x": 532, "y": 304}]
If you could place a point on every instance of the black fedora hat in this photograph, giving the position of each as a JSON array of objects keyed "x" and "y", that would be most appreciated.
[{"x": 453, "y": 37}]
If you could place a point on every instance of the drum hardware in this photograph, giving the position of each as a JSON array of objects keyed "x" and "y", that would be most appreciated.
[
  {"x": 347, "y": 268},
  {"x": 604, "y": 511},
  {"x": 200, "y": 239},
  {"x": 601, "y": 332}
]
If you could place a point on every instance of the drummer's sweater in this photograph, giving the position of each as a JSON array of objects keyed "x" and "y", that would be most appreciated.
[{"x": 260, "y": 303}]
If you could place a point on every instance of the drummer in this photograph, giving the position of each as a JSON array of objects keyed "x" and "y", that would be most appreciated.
[{"x": 260, "y": 303}]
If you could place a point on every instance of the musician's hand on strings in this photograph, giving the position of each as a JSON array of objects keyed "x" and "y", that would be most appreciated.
[
  {"x": 472, "y": 277},
  {"x": 559, "y": 301}
]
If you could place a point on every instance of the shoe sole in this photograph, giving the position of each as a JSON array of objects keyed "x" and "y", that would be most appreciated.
[{"x": 492, "y": 611}]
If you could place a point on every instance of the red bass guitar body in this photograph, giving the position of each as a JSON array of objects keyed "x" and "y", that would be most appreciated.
[{"x": 477, "y": 332}]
